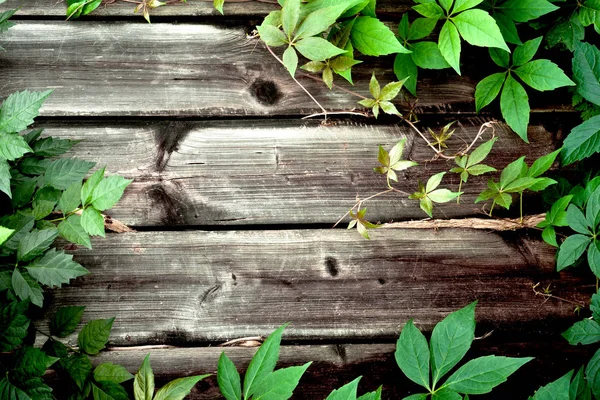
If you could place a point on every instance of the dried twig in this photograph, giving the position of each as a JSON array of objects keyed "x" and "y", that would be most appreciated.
[{"x": 507, "y": 224}]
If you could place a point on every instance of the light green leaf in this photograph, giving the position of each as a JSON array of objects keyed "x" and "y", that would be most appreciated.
[
  {"x": 319, "y": 20},
  {"x": 19, "y": 109},
  {"x": 584, "y": 332},
  {"x": 90, "y": 185},
  {"x": 279, "y": 385},
  {"x": 372, "y": 38},
  {"x": 290, "y": 60},
  {"x": 72, "y": 230},
  {"x": 111, "y": 372},
  {"x": 549, "y": 236},
  {"x": 35, "y": 243},
  {"x": 346, "y": 392},
  {"x": 543, "y": 164},
  {"x": 263, "y": 362},
  {"x": 480, "y": 153},
  {"x": 51, "y": 147},
  {"x": 519, "y": 184},
  {"x": 317, "y": 49},
  {"x": 271, "y": 35},
  {"x": 412, "y": 355},
  {"x": 434, "y": 181},
  {"x": 446, "y": 4},
  {"x": 93, "y": 222},
  {"x": 420, "y": 28},
  {"x": 94, "y": 335},
  {"x": 109, "y": 191},
  {"x": 63, "y": 172},
  {"x": 487, "y": 90},
  {"x": 290, "y": 14},
  {"x": 461, "y": 5},
  {"x": 582, "y": 142},
  {"x": 543, "y": 75},
  {"x": 524, "y": 53},
  {"x": 65, "y": 320},
  {"x": 179, "y": 388},
  {"x": 218, "y": 5},
  {"x": 478, "y": 28},
  {"x": 5, "y": 234},
  {"x": 450, "y": 341},
  {"x": 449, "y": 45},
  {"x": 13, "y": 146},
  {"x": 426, "y": 205},
  {"x": 526, "y": 10},
  {"x": 514, "y": 104},
  {"x": 570, "y": 250},
  {"x": 427, "y": 55},
  {"x": 481, "y": 375},
  {"x": 512, "y": 171},
  {"x": 442, "y": 195},
  {"x": 429, "y": 9},
  {"x": 143, "y": 383},
  {"x": 391, "y": 90},
  {"x": 55, "y": 268},
  {"x": 228, "y": 379},
  {"x": 70, "y": 198}
]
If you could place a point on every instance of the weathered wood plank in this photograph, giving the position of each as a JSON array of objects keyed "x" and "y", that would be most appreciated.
[
  {"x": 193, "y": 8},
  {"x": 336, "y": 364},
  {"x": 196, "y": 287},
  {"x": 273, "y": 172},
  {"x": 172, "y": 69}
]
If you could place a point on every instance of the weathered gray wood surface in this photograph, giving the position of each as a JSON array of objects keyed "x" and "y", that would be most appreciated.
[
  {"x": 336, "y": 364},
  {"x": 274, "y": 172},
  {"x": 193, "y": 70},
  {"x": 193, "y": 8},
  {"x": 193, "y": 286}
]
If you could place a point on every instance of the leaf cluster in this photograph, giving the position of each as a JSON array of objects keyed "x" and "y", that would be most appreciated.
[{"x": 429, "y": 194}]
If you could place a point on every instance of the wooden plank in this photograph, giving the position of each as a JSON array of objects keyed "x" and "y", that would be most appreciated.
[
  {"x": 184, "y": 70},
  {"x": 195, "y": 8},
  {"x": 273, "y": 172},
  {"x": 188, "y": 287},
  {"x": 336, "y": 364}
]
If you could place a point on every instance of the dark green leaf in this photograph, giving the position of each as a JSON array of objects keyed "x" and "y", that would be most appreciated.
[
  {"x": 586, "y": 331},
  {"x": 346, "y": 392},
  {"x": 55, "y": 268},
  {"x": 592, "y": 373},
  {"x": 577, "y": 220},
  {"x": 94, "y": 335},
  {"x": 70, "y": 198},
  {"x": 543, "y": 75},
  {"x": 412, "y": 355},
  {"x": 586, "y": 71},
  {"x": 106, "y": 390},
  {"x": 524, "y": 53},
  {"x": 579, "y": 388},
  {"x": 72, "y": 230},
  {"x": 582, "y": 142},
  {"x": 35, "y": 243},
  {"x": 570, "y": 250},
  {"x": 179, "y": 388},
  {"x": 31, "y": 362},
  {"x": 487, "y": 90},
  {"x": 557, "y": 390},
  {"x": 263, "y": 362},
  {"x": 228, "y": 379},
  {"x": 111, "y": 372},
  {"x": 405, "y": 68},
  {"x": 79, "y": 368},
  {"x": 13, "y": 324},
  {"x": 499, "y": 56},
  {"x": 63, "y": 172},
  {"x": 526, "y": 10},
  {"x": 51, "y": 147},
  {"x": 19, "y": 109},
  {"x": 65, "y": 320},
  {"x": 514, "y": 104}
]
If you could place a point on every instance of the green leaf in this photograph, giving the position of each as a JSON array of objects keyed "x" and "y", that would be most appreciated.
[
  {"x": 417, "y": 396},
  {"x": 512, "y": 171},
  {"x": 499, "y": 56},
  {"x": 524, "y": 53},
  {"x": 487, "y": 90},
  {"x": 51, "y": 147},
  {"x": 526, "y": 10},
  {"x": 450, "y": 340},
  {"x": 372, "y": 38},
  {"x": 94, "y": 335},
  {"x": 44, "y": 201},
  {"x": 263, "y": 362},
  {"x": 317, "y": 49},
  {"x": 579, "y": 389},
  {"x": 19, "y": 109},
  {"x": 79, "y": 368},
  {"x": 391, "y": 90},
  {"x": 586, "y": 331},
  {"x": 55, "y": 268},
  {"x": 541, "y": 184},
  {"x": 90, "y": 185},
  {"x": 543, "y": 75},
  {"x": 13, "y": 146},
  {"x": 577, "y": 220},
  {"x": 290, "y": 60},
  {"x": 346, "y": 392},
  {"x": 543, "y": 164},
  {"x": 26, "y": 288},
  {"x": 449, "y": 45},
  {"x": 434, "y": 181},
  {"x": 10, "y": 392},
  {"x": 65, "y": 320},
  {"x": 514, "y": 104},
  {"x": 290, "y": 13},
  {"x": 480, "y": 153},
  {"x": 508, "y": 28},
  {"x": 106, "y": 390},
  {"x": 478, "y": 28},
  {"x": 557, "y": 390},
  {"x": 593, "y": 256},
  {"x": 427, "y": 55},
  {"x": 111, "y": 372},
  {"x": 93, "y": 222},
  {"x": 35, "y": 243},
  {"x": 319, "y": 20},
  {"x": 568, "y": 32},
  {"x": 63, "y": 172},
  {"x": 582, "y": 142},
  {"x": 228, "y": 379},
  {"x": 5, "y": 178},
  {"x": 374, "y": 87},
  {"x": 271, "y": 35},
  {"x": 70, "y": 199},
  {"x": 13, "y": 324},
  {"x": 279, "y": 385},
  {"x": 5, "y": 234},
  {"x": 442, "y": 195},
  {"x": 592, "y": 373},
  {"x": 586, "y": 71},
  {"x": 429, "y": 10},
  {"x": 461, "y": 5},
  {"x": 420, "y": 28},
  {"x": 143, "y": 384},
  {"x": 218, "y": 5},
  {"x": 519, "y": 185},
  {"x": 481, "y": 375},
  {"x": 570, "y": 250},
  {"x": 406, "y": 70},
  {"x": 376, "y": 395},
  {"x": 446, "y": 4},
  {"x": 22, "y": 224},
  {"x": 179, "y": 388},
  {"x": 32, "y": 362},
  {"x": 412, "y": 355},
  {"x": 426, "y": 205},
  {"x": 72, "y": 230}
]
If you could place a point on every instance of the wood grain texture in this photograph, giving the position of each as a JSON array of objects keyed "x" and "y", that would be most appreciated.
[
  {"x": 274, "y": 172},
  {"x": 194, "y": 287},
  {"x": 193, "y": 8},
  {"x": 336, "y": 364}
]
